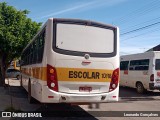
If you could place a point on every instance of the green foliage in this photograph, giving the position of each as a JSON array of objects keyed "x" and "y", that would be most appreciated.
[{"x": 16, "y": 30}]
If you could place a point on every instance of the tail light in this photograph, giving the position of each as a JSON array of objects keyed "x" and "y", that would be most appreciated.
[
  {"x": 152, "y": 77},
  {"x": 52, "y": 78},
  {"x": 114, "y": 80}
]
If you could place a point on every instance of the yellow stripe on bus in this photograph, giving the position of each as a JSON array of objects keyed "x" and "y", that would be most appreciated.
[
  {"x": 84, "y": 75},
  {"x": 36, "y": 72},
  {"x": 71, "y": 74}
]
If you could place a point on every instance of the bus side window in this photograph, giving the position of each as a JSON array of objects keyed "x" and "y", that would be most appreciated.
[
  {"x": 124, "y": 65},
  {"x": 41, "y": 40},
  {"x": 139, "y": 64},
  {"x": 34, "y": 53},
  {"x": 141, "y": 67},
  {"x": 131, "y": 68},
  {"x": 157, "y": 66}
]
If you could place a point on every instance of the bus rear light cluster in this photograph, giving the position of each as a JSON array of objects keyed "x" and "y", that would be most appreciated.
[
  {"x": 152, "y": 77},
  {"x": 52, "y": 82},
  {"x": 114, "y": 80}
]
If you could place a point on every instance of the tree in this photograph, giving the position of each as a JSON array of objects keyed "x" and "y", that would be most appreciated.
[{"x": 16, "y": 30}]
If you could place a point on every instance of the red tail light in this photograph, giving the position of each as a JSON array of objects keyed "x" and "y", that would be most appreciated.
[
  {"x": 52, "y": 78},
  {"x": 114, "y": 80},
  {"x": 152, "y": 77}
]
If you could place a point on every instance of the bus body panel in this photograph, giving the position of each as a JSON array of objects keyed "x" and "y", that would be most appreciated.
[
  {"x": 58, "y": 97},
  {"x": 86, "y": 74}
]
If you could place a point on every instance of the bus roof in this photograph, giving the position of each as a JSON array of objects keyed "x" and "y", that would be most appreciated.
[
  {"x": 88, "y": 22},
  {"x": 144, "y": 55}
]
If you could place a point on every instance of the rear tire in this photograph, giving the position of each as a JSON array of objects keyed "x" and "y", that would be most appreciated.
[
  {"x": 140, "y": 88},
  {"x": 30, "y": 98}
]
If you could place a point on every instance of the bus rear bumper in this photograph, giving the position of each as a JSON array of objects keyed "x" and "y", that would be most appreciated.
[{"x": 51, "y": 96}]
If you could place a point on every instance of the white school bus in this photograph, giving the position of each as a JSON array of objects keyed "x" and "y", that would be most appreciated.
[
  {"x": 141, "y": 71},
  {"x": 72, "y": 61}
]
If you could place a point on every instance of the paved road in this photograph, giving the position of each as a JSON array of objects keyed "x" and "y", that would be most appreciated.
[{"x": 129, "y": 101}]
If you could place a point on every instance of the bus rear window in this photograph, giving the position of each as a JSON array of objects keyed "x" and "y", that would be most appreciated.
[
  {"x": 157, "y": 67},
  {"x": 82, "y": 38}
]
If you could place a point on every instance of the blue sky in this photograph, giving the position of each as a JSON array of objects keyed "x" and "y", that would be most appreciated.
[{"x": 128, "y": 15}]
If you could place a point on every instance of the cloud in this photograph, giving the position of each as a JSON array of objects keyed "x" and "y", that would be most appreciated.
[
  {"x": 85, "y": 6},
  {"x": 69, "y": 9}
]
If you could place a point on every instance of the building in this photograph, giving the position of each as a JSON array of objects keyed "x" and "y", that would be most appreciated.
[{"x": 156, "y": 48}]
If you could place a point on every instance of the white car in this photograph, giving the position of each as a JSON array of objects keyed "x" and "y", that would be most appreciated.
[{"x": 13, "y": 73}]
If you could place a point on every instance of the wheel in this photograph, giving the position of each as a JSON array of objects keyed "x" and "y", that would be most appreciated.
[
  {"x": 140, "y": 88},
  {"x": 30, "y": 98},
  {"x": 18, "y": 77}
]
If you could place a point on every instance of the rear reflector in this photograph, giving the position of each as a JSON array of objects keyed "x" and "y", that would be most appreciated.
[
  {"x": 86, "y": 62},
  {"x": 50, "y": 96}
]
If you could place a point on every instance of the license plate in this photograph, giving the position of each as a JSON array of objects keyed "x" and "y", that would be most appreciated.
[{"x": 85, "y": 89}]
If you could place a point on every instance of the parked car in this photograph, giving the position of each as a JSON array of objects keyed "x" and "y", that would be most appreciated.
[{"x": 13, "y": 73}]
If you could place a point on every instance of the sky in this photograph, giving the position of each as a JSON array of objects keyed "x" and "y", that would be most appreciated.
[{"x": 138, "y": 20}]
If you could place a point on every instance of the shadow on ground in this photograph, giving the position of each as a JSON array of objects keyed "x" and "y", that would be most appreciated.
[
  {"x": 48, "y": 111},
  {"x": 130, "y": 94}
]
